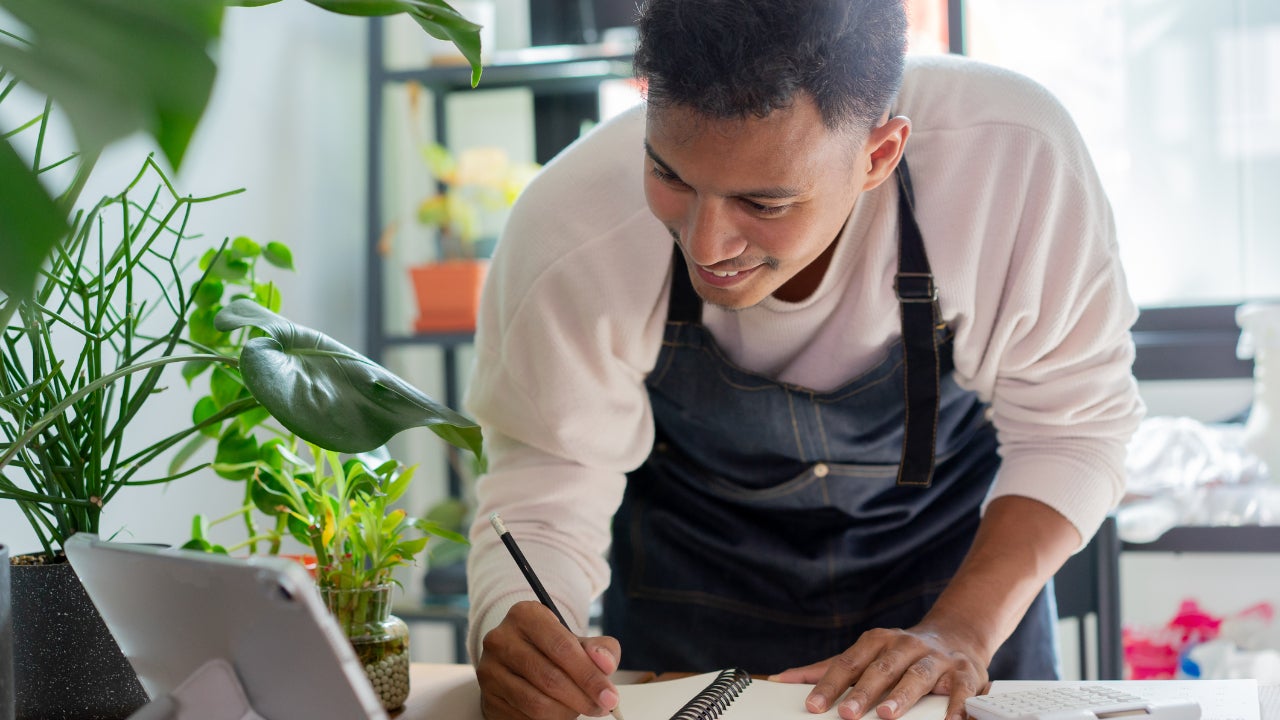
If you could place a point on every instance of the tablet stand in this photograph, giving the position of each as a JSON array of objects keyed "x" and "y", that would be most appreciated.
[{"x": 212, "y": 692}]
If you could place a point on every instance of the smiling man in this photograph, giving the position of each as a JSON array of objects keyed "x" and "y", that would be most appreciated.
[{"x": 818, "y": 365}]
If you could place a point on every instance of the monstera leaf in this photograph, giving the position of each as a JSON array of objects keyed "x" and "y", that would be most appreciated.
[{"x": 330, "y": 395}]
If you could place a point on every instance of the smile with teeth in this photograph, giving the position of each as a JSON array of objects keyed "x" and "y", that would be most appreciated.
[{"x": 719, "y": 273}]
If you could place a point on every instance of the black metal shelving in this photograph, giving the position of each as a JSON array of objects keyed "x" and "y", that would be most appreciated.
[{"x": 564, "y": 81}]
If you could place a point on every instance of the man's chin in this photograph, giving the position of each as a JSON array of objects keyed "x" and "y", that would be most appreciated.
[{"x": 729, "y": 300}]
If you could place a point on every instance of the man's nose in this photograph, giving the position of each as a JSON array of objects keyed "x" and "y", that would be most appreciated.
[{"x": 710, "y": 234}]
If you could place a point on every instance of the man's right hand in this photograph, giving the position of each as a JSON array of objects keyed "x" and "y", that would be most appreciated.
[{"x": 533, "y": 668}]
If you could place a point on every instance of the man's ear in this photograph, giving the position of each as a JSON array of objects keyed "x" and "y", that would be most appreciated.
[{"x": 883, "y": 149}]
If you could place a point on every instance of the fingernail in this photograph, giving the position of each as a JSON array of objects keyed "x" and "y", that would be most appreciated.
[
  {"x": 608, "y": 699},
  {"x": 773, "y": 678},
  {"x": 815, "y": 703},
  {"x": 854, "y": 708},
  {"x": 608, "y": 656},
  {"x": 888, "y": 706}
]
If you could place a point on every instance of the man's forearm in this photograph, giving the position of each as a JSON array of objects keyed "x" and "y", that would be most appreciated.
[{"x": 1020, "y": 544}]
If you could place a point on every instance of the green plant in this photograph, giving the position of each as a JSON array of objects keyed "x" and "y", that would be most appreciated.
[
  {"x": 343, "y": 511},
  {"x": 88, "y": 349},
  {"x": 116, "y": 67},
  {"x": 87, "y": 340}
]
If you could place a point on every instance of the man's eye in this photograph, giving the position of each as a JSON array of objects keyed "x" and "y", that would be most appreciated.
[
  {"x": 766, "y": 209},
  {"x": 664, "y": 176}
]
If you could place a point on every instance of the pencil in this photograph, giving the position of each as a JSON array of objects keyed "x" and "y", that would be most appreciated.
[{"x": 545, "y": 598}]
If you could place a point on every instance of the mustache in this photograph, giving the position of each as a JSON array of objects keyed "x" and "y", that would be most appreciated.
[{"x": 769, "y": 262}]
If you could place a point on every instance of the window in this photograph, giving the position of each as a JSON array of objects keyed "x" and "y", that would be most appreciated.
[{"x": 1179, "y": 102}]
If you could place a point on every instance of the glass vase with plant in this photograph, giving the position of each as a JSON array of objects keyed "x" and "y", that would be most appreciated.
[{"x": 345, "y": 512}]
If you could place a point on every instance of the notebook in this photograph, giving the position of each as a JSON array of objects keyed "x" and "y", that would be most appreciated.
[
  {"x": 734, "y": 695},
  {"x": 219, "y": 638}
]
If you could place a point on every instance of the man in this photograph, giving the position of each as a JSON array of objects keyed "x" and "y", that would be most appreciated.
[{"x": 845, "y": 427}]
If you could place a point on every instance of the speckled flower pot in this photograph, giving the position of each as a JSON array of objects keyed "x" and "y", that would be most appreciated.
[
  {"x": 6, "y": 640},
  {"x": 380, "y": 639},
  {"x": 65, "y": 662}
]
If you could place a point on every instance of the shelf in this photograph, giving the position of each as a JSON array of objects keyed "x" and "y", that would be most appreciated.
[
  {"x": 434, "y": 339},
  {"x": 551, "y": 68},
  {"x": 1213, "y": 539}
]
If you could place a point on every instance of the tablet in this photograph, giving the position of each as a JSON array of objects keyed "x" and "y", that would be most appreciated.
[{"x": 189, "y": 617}]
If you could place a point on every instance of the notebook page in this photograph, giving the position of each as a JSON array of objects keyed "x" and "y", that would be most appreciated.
[
  {"x": 1219, "y": 699},
  {"x": 761, "y": 700}
]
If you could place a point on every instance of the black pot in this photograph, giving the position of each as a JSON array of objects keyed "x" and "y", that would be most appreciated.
[
  {"x": 6, "y": 640},
  {"x": 65, "y": 662}
]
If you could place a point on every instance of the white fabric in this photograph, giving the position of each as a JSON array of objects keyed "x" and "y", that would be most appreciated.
[{"x": 1021, "y": 241}]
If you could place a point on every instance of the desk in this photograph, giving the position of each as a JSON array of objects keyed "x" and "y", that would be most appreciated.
[{"x": 450, "y": 691}]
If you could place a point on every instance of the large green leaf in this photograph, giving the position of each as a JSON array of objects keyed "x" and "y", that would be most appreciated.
[
  {"x": 329, "y": 394},
  {"x": 437, "y": 17},
  {"x": 30, "y": 222},
  {"x": 119, "y": 66}
]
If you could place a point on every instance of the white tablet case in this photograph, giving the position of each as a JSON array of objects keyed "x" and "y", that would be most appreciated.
[{"x": 193, "y": 624}]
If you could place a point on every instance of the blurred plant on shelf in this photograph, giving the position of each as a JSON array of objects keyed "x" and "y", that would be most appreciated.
[{"x": 475, "y": 192}]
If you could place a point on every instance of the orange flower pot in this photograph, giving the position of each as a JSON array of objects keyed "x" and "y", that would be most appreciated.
[{"x": 448, "y": 294}]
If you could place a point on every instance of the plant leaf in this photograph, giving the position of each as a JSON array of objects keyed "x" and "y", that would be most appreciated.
[
  {"x": 119, "y": 66},
  {"x": 278, "y": 254},
  {"x": 437, "y": 17},
  {"x": 29, "y": 220},
  {"x": 330, "y": 395}
]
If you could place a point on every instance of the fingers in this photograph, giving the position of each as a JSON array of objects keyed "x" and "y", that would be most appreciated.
[
  {"x": 604, "y": 651},
  {"x": 532, "y": 667},
  {"x": 809, "y": 674},
  {"x": 888, "y": 671},
  {"x": 841, "y": 672}
]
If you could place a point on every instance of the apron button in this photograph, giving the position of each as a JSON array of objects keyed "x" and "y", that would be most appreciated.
[
  {"x": 821, "y": 470},
  {"x": 660, "y": 447}
]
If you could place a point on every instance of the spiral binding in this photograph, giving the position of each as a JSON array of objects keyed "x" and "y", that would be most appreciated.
[{"x": 716, "y": 697}]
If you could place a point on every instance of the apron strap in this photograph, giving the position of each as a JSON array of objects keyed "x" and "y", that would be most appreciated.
[
  {"x": 918, "y": 301},
  {"x": 684, "y": 305}
]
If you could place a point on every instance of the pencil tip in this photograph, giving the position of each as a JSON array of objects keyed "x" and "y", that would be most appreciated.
[{"x": 496, "y": 522}]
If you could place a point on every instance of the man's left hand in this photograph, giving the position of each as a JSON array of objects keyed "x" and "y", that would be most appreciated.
[{"x": 905, "y": 664}]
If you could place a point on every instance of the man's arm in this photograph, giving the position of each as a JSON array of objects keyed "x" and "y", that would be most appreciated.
[{"x": 1020, "y": 544}]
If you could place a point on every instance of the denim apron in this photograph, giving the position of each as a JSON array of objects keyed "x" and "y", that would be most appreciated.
[{"x": 772, "y": 524}]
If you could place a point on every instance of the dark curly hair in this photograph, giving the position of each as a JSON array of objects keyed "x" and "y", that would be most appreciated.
[{"x": 732, "y": 59}]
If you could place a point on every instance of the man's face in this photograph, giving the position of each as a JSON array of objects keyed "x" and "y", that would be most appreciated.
[{"x": 753, "y": 202}]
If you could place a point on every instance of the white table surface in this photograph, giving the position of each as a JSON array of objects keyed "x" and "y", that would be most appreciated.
[{"x": 439, "y": 691}]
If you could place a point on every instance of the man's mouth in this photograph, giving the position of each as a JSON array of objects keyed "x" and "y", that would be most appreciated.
[{"x": 723, "y": 278}]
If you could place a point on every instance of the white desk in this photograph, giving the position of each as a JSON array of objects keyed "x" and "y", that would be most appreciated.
[
  {"x": 450, "y": 691},
  {"x": 442, "y": 691}
]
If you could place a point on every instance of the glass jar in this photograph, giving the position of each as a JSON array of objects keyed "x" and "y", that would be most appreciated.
[{"x": 380, "y": 639}]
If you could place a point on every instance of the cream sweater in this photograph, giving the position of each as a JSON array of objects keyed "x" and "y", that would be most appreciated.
[{"x": 1021, "y": 242}]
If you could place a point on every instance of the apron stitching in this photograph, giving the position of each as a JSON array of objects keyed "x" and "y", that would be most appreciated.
[
  {"x": 795, "y": 427},
  {"x": 822, "y": 430}
]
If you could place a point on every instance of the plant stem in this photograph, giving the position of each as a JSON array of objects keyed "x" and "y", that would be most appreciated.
[{"x": 104, "y": 381}]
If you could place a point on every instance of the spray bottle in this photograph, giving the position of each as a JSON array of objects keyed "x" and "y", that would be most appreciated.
[{"x": 1260, "y": 339}]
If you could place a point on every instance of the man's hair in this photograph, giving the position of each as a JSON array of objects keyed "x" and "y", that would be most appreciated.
[{"x": 733, "y": 59}]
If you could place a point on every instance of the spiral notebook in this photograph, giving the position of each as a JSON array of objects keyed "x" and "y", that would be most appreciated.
[{"x": 734, "y": 695}]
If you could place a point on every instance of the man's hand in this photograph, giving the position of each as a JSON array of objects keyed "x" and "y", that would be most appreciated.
[
  {"x": 1020, "y": 544},
  {"x": 533, "y": 668},
  {"x": 905, "y": 664}
]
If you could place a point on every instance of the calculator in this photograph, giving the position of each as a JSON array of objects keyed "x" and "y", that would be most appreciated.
[{"x": 1077, "y": 702}]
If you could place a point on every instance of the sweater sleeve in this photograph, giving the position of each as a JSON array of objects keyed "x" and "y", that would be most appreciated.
[
  {"x": 558, "y": 381},
  {"x": 1046, "y": 339}
]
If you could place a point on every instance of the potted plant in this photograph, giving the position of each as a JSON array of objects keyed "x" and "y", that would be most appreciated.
[
  {"x": 345, "y": 512},
  {"x": 473, "y": 194}
]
